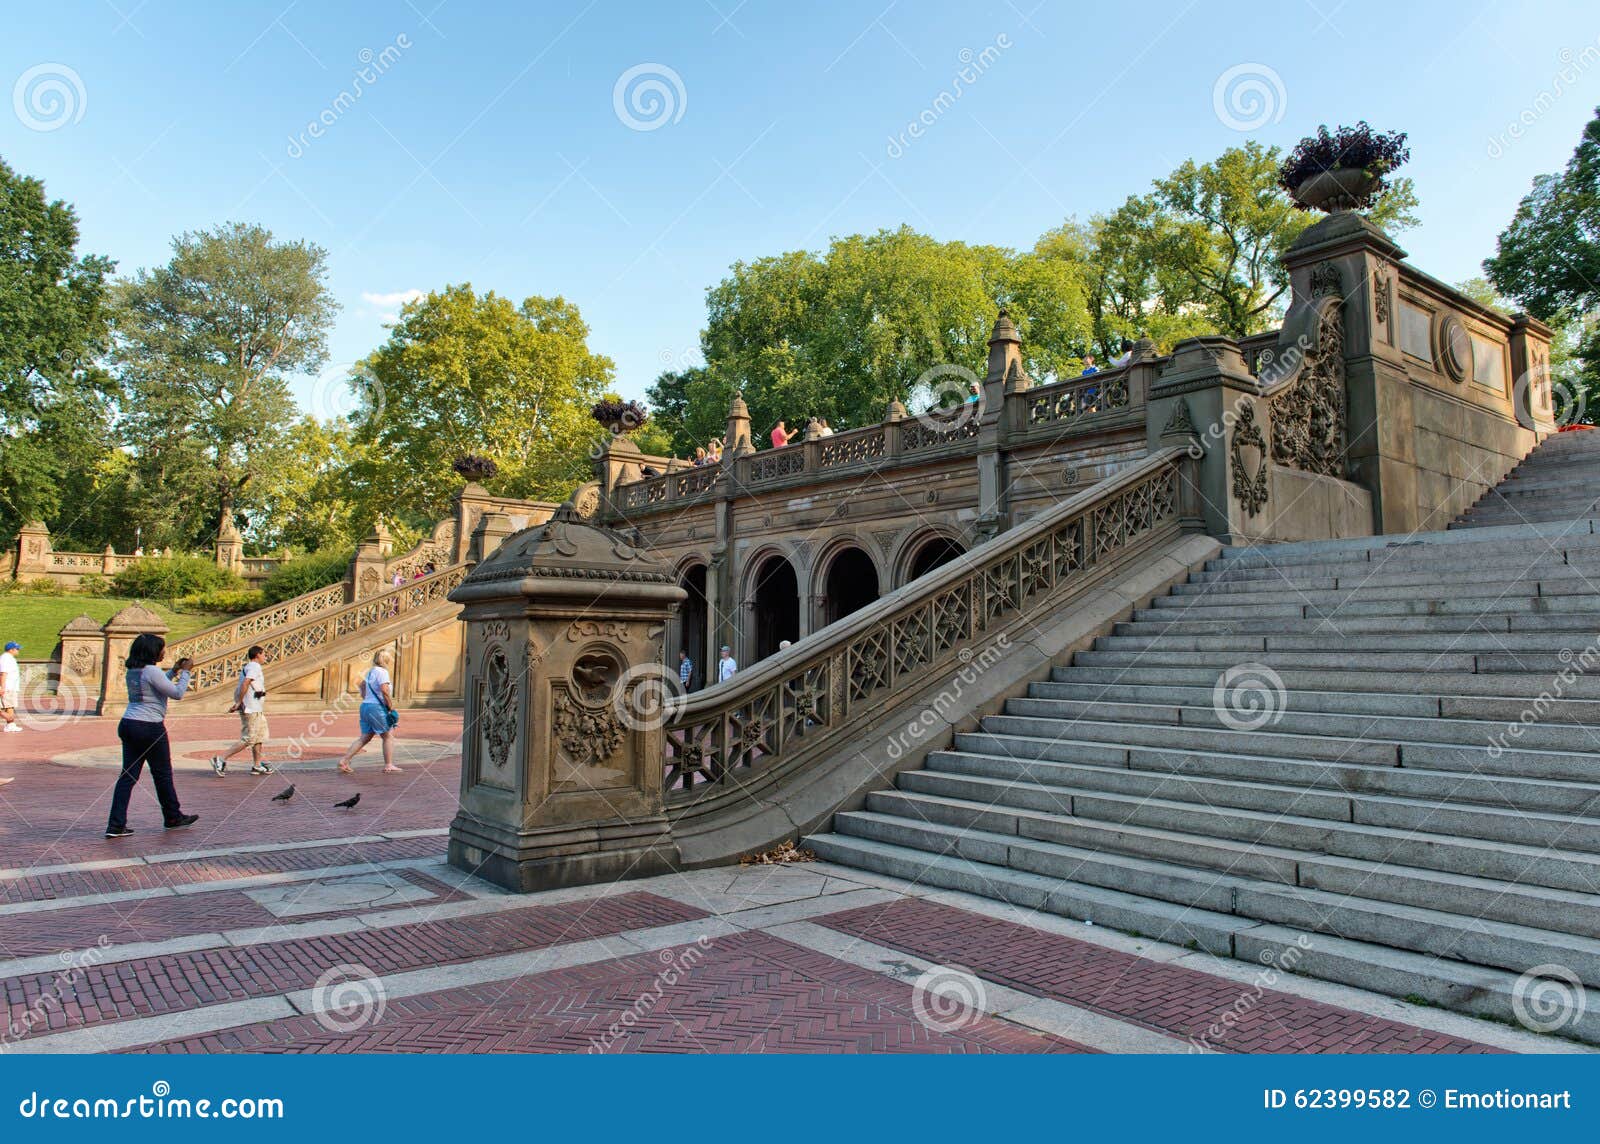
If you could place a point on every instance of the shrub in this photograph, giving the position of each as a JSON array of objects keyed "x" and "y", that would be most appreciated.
[
  {"x": 620, "y": 416},
  {"x": 234, "y": 601},
  {"x": 94, "y": 584},
  {"x": 44, "y": 587},
  {"x": 307, "y": 574},
  {"x": 168, "y": 577},
  {"x": 476, "y": 467}
]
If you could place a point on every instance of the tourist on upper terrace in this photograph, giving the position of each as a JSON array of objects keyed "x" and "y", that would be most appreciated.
[
  {"x": 726, "y": 664},
  {"x": 685, "y": 669},
  {"x": 714, "y": 451},
  {"x": 1125, "y": 356},
  {"x": 823, "y": 428},
  {"x": 249, "y": 700},
  {"x": 699, "y": 456},
  {"x": 1089, "y": 368},
  {"x": 377, "y": 714},
  {"x": 143, "y": 731},
  {"x": 10, "y": 687},
  {"x": 780, "y": 436}
]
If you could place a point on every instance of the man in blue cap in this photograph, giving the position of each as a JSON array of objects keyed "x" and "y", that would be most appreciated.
[{"x": 10, "y": 686}]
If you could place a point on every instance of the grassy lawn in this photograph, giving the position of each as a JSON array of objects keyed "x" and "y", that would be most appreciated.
[{"x": 35, "y": 621}]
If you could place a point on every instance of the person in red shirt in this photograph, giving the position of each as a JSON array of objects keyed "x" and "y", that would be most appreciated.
[{"x": 780, "y": 436}]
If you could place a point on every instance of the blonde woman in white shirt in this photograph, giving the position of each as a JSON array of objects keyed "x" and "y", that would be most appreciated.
[{"x": 377, "y": 714}]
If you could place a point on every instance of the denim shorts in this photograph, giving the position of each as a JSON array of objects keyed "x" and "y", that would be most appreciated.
[{"x": 374, "y": 720}]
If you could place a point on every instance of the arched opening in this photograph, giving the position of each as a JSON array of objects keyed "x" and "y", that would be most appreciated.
[
  {"x": 935, "y": 552},
  {"x": 692, "y": 618},
  {"x": 775, "y": 597},
  {"x": 851, "y": 585}
]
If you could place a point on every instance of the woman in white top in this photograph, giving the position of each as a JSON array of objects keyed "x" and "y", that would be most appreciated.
[
  {"x": 143, "y": 731},
  {"x": 377, "y": 701}
]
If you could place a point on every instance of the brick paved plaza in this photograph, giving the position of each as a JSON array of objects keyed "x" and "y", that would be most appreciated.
[{"x": 298, "y": 927}]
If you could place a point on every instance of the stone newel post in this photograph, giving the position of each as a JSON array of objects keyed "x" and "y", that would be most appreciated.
[
  {"x": 561, "y": 754},
  {"x": 119, "y": 632}
]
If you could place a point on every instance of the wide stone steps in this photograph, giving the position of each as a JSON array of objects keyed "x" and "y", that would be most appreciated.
[
  {"x": 1387, "y": 750},
  {"x": 1442, "y": 978},
  {"x": 1483, "y": 940},
  {"x": 1442, "y": 685}
]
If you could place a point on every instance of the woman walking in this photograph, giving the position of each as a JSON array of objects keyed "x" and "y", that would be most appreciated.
[
  {"x": 377, "y": 714},
  {"x": 143, "y": 731}
]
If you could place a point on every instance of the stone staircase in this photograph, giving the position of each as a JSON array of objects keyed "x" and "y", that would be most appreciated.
[
  {"x": 1314, "y": 756},
  {"x": 1558, "y": 481}
]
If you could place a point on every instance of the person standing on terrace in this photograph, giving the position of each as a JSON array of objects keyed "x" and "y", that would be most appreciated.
[{"x": 780, "y": 436}]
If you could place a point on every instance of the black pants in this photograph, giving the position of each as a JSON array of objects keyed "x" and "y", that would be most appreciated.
[{"x": 144, "y": 743}]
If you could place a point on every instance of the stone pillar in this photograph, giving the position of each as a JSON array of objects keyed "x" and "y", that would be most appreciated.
[
  {"x": 736, "y": 443},
  {"x": 371, "y": 555},
  {"x": 1201, "y": 404},
  {"x": 472, "y": 502},
  {"x": 33, "y": 551},
  {"x": 118, "y": 634},
  {"x": 492, "y": 529},
  {"x": 83, "y": 650},
  {"x": 1530, "y": 370},
  {"x": 1347, "y": 256},
  {"x": 230, "y": 547},
  {"x": 1004, "y": 375},
  {"x": 562, "y": 746},
  {"x": 108, "y": 561}
]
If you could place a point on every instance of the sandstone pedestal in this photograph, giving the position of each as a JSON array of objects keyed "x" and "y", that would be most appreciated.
[{"x": 561, "y": 761}]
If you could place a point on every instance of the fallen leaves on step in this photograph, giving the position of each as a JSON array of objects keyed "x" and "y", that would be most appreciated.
[{"x": 780, "y": 855}]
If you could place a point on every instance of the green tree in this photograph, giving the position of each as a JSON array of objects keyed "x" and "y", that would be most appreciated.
[
  {"x": 311, "y": 504},
  {"x": 842, "y": 333},
  {"x": 54, "y": 401},
  {"x": 1548, "y": 262},
  {"x": 469, "y": 373},
  {"x": 205, "y": 346}
]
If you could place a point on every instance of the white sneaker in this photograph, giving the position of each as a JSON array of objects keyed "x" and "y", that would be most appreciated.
[
  {"x": 13, "y": 729},
  {"x": 219, "y": 764}
]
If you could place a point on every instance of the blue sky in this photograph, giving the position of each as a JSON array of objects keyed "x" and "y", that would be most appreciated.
[{"x": 491, "y": 148}]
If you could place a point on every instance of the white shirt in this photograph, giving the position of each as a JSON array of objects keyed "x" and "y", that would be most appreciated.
[
  {"x": 255, "y": 680},
  {"x": 10, "y": 679},
  {"x": 725, "y": 669},
  {"x": 372, "y": 685}
]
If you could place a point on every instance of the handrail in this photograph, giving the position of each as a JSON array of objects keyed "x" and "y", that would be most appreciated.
[
  {"x": 795, "y": 702},
  {"x": 261, "y": 622},
  {"x": 321, "y": 631}
]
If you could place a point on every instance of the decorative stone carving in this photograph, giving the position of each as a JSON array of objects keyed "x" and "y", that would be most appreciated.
[
  {"x": 1380, "y": 295},
  {"x": 1180, "y": 423},
  {"x": 1250, "y": 488},
  {"x": 370, "y": 580},
  {"x": 1325, "y": 281},
  {"x": 580, "y": 630},
  {"x": 1308, "y": 416},
  {"x": 497, "y": 713},
  {"x": 589, "y": 736}
]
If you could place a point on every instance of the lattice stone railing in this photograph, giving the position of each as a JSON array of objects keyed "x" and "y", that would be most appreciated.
[
  {"x": 322, "y": 631},
  {"x": 437, "y": 548},
  {"x": 803, "y": 700},
  {"x": 258, "y": 625},
  {"x": 1080, "y": 397}
]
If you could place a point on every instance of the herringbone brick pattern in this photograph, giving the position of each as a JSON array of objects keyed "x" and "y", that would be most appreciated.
[
  {"x": 751, "y": 992},
  {"x": 172, "y": 982},
  {"x": 1173, "y": 999},
  {"x": 167, "y": 916}
]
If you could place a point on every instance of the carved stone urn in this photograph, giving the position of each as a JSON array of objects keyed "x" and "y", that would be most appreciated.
[
  {"x": 561, "y": 752},
  {"x": 1341, "y": 189}
]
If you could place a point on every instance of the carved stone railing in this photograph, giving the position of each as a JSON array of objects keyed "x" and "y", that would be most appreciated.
[
  {"x": 796, "y": 704},
  {"x": 256, "y": 626},
  {"x": 437, "y": 548},
  {"x": 319, "y": 632},
  {"x": 1066, "y": 401}
]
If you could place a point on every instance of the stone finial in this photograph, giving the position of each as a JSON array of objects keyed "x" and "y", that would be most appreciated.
[
  {"x": 1005, "y": 355},
  {"x": 813, "y": 430},
  {"x": 896, "y": 411},
  {"x": 1143, "y": 350},
  {"x": 83, "y": 625},
  {"x": 1005, "y": 330},
  {"x": 136, "y": 618},
  {"x": 737, "y": 441}
]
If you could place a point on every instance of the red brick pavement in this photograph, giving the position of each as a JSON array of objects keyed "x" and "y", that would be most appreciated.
[
  {"x": 174, "y": 982},
  {"x": 54, "y": 814},
  {"x": 167, "y": 916},
  {"x": 1172, "y": 999},
  {"x": 750, "y": 992},
  {"x": 143, "y": 876}
]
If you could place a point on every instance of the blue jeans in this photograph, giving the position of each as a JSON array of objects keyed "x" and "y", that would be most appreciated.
[{"x": 143, "y": 743}]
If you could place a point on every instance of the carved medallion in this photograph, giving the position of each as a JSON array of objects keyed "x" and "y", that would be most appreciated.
[
  {"x": 497, "y": 713},
  {"x": 589, "y": 736},
  {"x": 1326, "y": 281}
]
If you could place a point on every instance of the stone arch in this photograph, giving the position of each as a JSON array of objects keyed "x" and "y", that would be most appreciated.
[
  {"x": 770, "y": 603},
  {"x": 845, "y": 579},
  {"x": 926, "y": 550},
  {"x": 691, "y": 627}
]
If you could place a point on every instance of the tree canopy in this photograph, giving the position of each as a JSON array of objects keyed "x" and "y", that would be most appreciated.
[{"x": 468, "y": 373}]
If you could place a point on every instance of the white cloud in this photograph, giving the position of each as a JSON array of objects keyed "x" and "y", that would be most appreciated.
[{"x": 389, "y": 301}]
